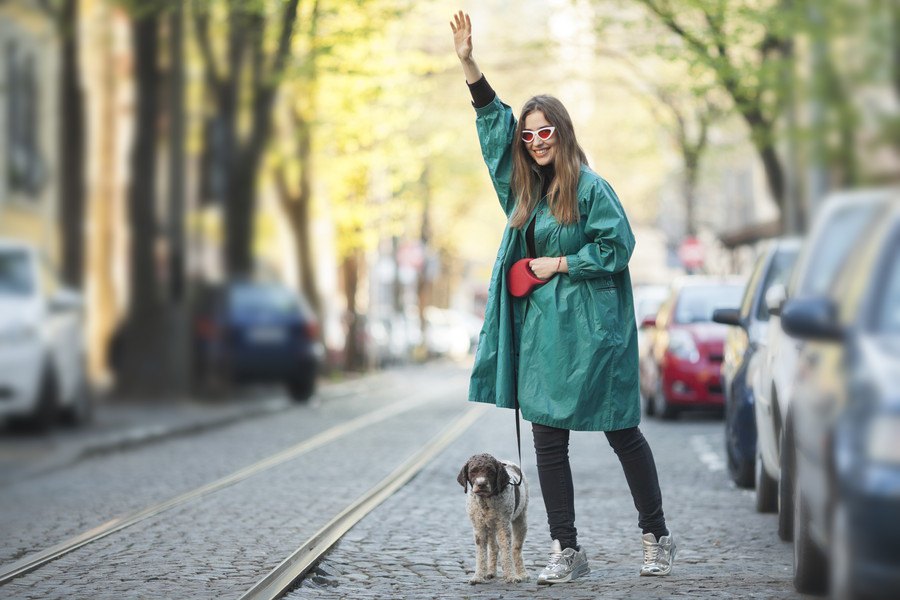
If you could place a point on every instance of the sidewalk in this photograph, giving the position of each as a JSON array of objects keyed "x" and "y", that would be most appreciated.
[{"x": 118, "y": 425}]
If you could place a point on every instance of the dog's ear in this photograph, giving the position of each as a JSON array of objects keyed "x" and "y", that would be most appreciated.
[
  {"x": 502, "y": 477},
  {"x": 463, "y": 478}
]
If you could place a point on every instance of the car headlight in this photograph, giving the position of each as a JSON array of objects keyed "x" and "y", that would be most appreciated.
[
  {"x": 682, "y": 345},
  {"x": 884, "y": 439}
]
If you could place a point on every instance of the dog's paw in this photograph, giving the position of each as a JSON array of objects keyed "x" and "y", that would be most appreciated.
[
  {"x": 478, "y": 579},
  {"x": 516, "y": 578}
]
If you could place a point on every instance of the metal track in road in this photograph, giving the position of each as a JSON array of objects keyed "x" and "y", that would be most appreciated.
[
  {"x": 34, "y": 561},
  {"x": 284, "y": 576}
]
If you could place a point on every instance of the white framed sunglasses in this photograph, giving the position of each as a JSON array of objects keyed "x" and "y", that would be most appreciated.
[{"x": 545, "y": 133}]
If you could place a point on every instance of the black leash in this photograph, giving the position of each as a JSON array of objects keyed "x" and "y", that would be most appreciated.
[{"x": 515, "y": 361}]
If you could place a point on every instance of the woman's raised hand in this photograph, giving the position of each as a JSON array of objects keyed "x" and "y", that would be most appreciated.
[{"x": 462, "y": 35}]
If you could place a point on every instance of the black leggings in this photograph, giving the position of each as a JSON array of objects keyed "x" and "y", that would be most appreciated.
[{"x": 551, "y": 445}]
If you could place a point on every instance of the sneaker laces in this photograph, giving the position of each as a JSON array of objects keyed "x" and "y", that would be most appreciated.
[
  {"x": 651, "y": 553},
  {"x": 555, "y": 559}
]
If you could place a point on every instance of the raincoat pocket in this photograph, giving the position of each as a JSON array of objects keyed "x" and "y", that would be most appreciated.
[{"x": 603, "y": 284}]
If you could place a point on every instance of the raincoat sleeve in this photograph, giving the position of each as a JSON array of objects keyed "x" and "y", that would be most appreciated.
[
  {"x": 496, "y": 127},
  {"x": 613, "y": 240}
]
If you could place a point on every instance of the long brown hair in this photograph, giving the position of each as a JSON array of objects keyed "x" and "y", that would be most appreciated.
[{"x": 562, "y": 194}]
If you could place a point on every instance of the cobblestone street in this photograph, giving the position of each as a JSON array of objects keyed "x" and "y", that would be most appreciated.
[{"x": 417, "y": 544}]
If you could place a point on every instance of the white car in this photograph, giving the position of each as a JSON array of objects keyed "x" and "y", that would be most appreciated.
[
  {"x": 42, "y": 349},
  {"x": 842, "y": 221}
]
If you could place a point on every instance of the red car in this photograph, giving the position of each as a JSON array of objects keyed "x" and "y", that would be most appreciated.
[{"x": 682, "y": 368}]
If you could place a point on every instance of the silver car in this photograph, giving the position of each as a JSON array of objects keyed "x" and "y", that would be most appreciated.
[
  {"x": 843, "y": 221},
  {"x": 42, "y": 349}
]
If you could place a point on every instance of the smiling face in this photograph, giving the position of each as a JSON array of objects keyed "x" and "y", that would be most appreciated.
[{"x": 542, "y": 151}]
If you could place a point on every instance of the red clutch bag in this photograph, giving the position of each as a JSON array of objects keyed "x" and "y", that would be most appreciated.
[{"x": 521, "y": 280}]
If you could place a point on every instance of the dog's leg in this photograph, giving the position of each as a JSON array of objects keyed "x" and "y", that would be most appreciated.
[
  {"x": 504, "y": 535},
  {"x": 481, "y": 542},
  {"x": 519, "y": 529},
  {"x": 493, "y": 549}
]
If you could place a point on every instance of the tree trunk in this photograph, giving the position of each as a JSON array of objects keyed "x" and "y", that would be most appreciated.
[
  {"x": 691, "y": 172},
  {"x": 354, "y": 353},
  {"x": 239, "y": 214},
  {"x": 137, "y": 349},
  {"x": 178, "y": 334},
  {"x": 775, "y": 178},
  {"x": 297, "y": 209},
  {"x": 177, "y": 158},
  {"x": 71, "y": 151}
]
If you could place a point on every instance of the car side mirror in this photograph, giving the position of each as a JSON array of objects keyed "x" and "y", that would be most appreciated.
[
  {"x": 814, "y": 318},
  {"x": 66, "y": 300},
  {"x": 648, "y": 321},
  {"x": 728, "y": 316},
  {"x": 775, "y": 297}
]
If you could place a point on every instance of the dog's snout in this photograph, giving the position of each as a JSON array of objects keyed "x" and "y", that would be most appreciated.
[{"x": 481, "y": 484}]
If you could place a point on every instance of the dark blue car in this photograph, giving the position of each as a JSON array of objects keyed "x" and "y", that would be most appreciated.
[
  {"x": 843, "y": 424},
  {"x": 750, "y": 323},
  {"x": 248, "y": 331}
]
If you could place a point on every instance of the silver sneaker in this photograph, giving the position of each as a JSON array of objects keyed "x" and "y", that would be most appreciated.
[
  {"x": 564, "y": 565},
  {"x": 658, "y": 555}
]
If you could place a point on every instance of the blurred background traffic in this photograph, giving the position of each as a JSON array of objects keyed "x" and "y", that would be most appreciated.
[{"x": 197, "y": 194}]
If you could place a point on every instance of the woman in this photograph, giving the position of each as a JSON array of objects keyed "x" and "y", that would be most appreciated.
[{"x": 574, "y": 337}]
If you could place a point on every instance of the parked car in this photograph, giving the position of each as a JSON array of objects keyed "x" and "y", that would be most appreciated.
[
  {"x": 447, "y": 332},
  {"x": 749, "y": 323},
  {"x": 648, "y": 298},
  {"x": 683, "y": 368},
  {"x": 249, "y": 331},
  {"x": 843, "y": 422},
  {"x": 43, "y": 372},
  {"x": 842, "y": 223}
]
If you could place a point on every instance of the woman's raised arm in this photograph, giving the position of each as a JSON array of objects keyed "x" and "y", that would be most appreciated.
[{"x": 461, "y": 25}]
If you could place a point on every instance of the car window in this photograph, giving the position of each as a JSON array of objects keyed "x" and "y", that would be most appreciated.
[
  {"x": 832, "y": 246},
  {"x": 697, "y": 303},
  {"x": 752, "y": 284},
  {"x": 16, "y": 277},
  {"x": 779, "y": 271},
  {"x": 888, "y": 320},
  {"x": 250, "y": 300}
]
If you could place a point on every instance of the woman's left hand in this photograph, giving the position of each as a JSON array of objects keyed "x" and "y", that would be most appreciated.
[{"x": 545, "y": 267}]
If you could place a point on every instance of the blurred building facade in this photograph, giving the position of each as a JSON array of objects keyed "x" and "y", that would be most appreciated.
[{"x": 29, "y": 115}]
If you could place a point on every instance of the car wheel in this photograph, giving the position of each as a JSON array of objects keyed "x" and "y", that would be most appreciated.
[
  {"x": 661, "y": 406},
  {"x": 786, "y": 489},
  {"x": 302, "y": 389},
  {"x": 46, "y": 411},
  {"x": 81, "y": 411},
  {"x": 840, "y": 559},
  {"x": 766, "y": 487},
  {"x": 741, "y": 471},
  {"x": 809, "y": 561}
]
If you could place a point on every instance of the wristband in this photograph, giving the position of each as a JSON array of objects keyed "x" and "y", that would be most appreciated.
[{"x": 558, "y": 262}]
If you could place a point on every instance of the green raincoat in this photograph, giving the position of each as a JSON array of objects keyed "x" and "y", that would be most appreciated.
[{"x": 575, "y": 336}]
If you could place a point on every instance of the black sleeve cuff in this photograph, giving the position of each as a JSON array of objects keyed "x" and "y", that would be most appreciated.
[{"x": 482, "y": 92}]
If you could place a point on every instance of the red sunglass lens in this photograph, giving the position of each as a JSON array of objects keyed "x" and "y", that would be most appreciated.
[
  {"x": 527, "y": 137},
  {"x": 545, "y": 133}
]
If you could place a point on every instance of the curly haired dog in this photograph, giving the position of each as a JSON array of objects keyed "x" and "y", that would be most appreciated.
[{"x": 497, "y": 505}]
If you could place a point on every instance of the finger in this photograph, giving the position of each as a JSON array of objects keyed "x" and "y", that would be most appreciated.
[
  {"x": 468, "y": 22},
  {"x": 452, "y": 27}
]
